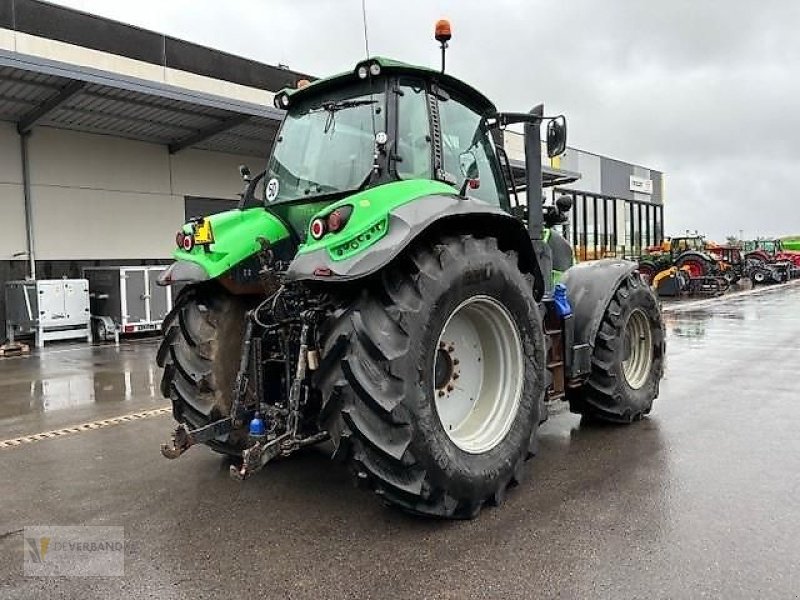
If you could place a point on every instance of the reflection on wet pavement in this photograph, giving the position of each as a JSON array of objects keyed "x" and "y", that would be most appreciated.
[{"x": 78, "y": 376}]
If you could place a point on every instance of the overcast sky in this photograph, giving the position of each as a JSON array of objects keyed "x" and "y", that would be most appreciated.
[{"x": 705, "y": 91}]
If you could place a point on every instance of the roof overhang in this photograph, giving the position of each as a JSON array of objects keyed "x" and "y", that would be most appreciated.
[
  {"x": 37, "y": 91},
  {"x": 551, "y": 176}
]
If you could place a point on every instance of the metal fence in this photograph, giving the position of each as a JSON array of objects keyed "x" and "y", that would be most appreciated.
[{"x": 603, "y": 226}]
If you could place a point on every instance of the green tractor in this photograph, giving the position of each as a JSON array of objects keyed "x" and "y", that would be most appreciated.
[
  {"x": 688, "y": 252},
  {"x": 376, "y": 287}
]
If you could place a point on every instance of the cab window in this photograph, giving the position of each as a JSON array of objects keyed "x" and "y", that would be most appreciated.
[
  {"x": 464, "y": 130},
  {"x": 413, "y": 131}
]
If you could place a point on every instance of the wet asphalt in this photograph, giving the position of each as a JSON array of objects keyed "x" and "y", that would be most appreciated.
[{"x": 701, "y": 499}]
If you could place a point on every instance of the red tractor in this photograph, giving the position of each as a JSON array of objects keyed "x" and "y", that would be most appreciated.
[
  {"x": 770, "y": 251},
  {"x": 733, "y": 265}
]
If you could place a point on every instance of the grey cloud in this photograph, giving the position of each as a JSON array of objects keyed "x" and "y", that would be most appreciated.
[{"x": 703, "y": 90}]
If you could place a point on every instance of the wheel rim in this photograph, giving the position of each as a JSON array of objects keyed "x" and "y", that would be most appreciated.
[
  {"x": 638, "y": 350},
  {"x": 695, "y": 268},
  {"x": 478, "y": 374}
]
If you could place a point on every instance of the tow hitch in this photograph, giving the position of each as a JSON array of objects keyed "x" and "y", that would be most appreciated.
[
  {"x": 183, "y": 439},
  {"x": 275, "y": 429},
  {"x": 265, "y": 449}
]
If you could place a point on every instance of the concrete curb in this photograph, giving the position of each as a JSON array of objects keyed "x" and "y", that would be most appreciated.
[{"x": 692, "y": 304}]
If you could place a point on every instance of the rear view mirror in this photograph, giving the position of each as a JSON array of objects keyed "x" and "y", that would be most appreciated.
[
  {"x": 564, "y": 203},
  {"x": 556, "y": 136},
  {"x": 469, "y": 169},
  {"x": 469, "y": 165}
]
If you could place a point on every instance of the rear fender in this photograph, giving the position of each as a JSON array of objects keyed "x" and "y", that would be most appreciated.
[
  {"x": 183, "y": 271},
  {"x": 590, "y": 288},
  {"x": 431, "y": 215}
]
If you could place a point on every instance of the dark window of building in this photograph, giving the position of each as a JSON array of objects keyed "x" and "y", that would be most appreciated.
[{"x": 201, "y": 207}]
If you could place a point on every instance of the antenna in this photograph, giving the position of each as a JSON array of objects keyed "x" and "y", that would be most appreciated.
[
  {"x": 442, "y": 35},
  {"x": 364, "y": 19},
  {"x": 375, "y": 165}
]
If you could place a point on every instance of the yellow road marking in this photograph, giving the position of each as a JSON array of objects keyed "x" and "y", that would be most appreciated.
[{"x": 45, "y": 435}]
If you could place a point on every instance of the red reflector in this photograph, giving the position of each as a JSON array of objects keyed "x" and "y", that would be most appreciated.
[
  {"x": 474, "y": 184},
  {"x": 317, "y": 228},
  {"x": 179, "y": 239},
  {"x": 188, "y": 242},
  {"x": 129, "y": 328},
  {"x": 322, "y": 272}
]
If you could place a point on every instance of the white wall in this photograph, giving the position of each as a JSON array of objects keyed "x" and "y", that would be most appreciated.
[
  {"x": 101, "y": 197},
  {"x": 12, "y": 202},
  {"x": 210, "y": 174}
]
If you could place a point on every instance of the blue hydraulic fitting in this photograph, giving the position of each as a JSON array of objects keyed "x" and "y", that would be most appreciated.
[
  {"x": 258, "y": 430},
  {"x": 561, "y": 301}
]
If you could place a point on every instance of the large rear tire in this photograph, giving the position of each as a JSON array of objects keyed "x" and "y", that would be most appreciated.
[
  {"x": 627, "y": 360},
  {"x": 200, "y": 354},
  {"x": 648, "y": 270},
  {"x": 433, "y": 378},
  {"x": 696, "y": 265}
]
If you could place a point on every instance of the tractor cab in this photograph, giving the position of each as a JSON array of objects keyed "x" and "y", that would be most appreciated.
[
  {"x": 387, "y": 122},
  {"x": 679, "y": 245},
  {"x": 383, "y": 122}
]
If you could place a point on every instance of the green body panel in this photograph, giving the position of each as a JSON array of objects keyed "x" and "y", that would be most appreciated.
[
  {"x": 236, "y": 234},
  {"x": 368, "y": 222},
  {"x": 791, "y": 244}
]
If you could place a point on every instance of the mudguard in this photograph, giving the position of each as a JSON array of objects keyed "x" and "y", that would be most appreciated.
[
  {"x": 182, "y": 271},
  {"x": 405, "y": 224},
  {"x": 590, "y": 287},
  {"x": 702, "y": 256}
]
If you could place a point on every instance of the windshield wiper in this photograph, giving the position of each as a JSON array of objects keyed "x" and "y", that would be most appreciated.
[
  {"x": 333, "y": 107},
  {"x": 341, "y": 105}
]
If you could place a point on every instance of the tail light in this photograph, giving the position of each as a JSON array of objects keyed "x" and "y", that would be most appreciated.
[
  {"x": 184, "y": 241},
  {"x": 188, "y": 243},
  {"x": 332, "y": 223},
  {"x": 339, "y": 217},
  {"x": 317, "y": 228}
]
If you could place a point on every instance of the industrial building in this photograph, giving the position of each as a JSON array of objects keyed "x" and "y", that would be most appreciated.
[
  {"x": 618, "y": 207},
  {"x": 111, "y": 135}
]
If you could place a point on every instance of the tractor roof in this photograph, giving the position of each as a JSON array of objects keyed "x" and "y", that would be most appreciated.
[{"x": 389, "y": 66}]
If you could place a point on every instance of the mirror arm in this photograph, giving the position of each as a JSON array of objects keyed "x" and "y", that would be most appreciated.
[
  {"x": 509, "y": 118},
  {"x": 249, "y": 192}
]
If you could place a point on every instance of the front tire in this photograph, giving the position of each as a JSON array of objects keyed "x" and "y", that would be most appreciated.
[
  {"x": 627, "y": 360},
  {"x": 397, "y": 380}
]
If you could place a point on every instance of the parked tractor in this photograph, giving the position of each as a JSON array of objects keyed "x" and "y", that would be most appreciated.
[
  {"x": 683, "y": 265},
  {"x": 689, "y": 252},
  {"x": 732, "y": 264},
  {"x": 770, "y": 252},
  {"x": 378, "y": 286}
]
